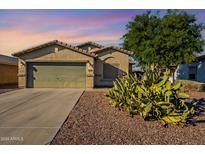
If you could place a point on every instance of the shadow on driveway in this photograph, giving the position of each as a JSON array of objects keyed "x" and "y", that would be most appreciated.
[{"x": 7, "y": 88}]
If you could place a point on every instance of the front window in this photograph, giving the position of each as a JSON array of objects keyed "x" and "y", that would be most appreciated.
[{"x": 110, "y": 71}]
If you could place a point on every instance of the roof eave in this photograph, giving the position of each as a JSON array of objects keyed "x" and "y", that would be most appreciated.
[
  {"x": 91, "y": 43},
  {"x": 116, "y": 48},
  {"x": 16, "y": 54}
]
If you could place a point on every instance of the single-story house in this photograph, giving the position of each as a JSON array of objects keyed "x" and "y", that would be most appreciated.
[
  {"x": 56, "y": 64},
  {"x": 8, "y": 70},
  {"x": 194, "y": 71}
]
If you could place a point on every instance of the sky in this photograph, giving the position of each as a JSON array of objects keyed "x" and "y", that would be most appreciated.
[{"x": 21, "y": 29}]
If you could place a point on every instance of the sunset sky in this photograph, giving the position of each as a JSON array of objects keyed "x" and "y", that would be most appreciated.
[{"x": 20, "y": 29}]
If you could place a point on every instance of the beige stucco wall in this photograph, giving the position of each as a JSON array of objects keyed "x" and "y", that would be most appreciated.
[
  {"x": 112, "y": 57},
  {"x": 8, "y": 74},
  {"x": 56, "y": 53}
]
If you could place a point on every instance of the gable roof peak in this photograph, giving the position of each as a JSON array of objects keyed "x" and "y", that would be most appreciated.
[
  {"x": 90, "y": 43},
  {"x": 115, "y": 48},
  {"x": 57, "y": 42}
]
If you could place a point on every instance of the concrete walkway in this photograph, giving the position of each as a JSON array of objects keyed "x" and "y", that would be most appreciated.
[{"x": 33, "y": 116}]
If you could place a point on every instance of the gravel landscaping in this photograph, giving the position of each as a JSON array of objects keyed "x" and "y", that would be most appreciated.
[{"x": 94, "y": 121}]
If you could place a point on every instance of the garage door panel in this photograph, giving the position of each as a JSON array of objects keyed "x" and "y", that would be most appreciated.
[{"x": 56, "y": 75}]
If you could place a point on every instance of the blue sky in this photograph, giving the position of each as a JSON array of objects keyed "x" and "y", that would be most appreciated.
[{"x": 20, "y": 29}]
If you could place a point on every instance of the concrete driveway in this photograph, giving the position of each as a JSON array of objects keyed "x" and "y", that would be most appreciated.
[{"x": 33, "y": 116}]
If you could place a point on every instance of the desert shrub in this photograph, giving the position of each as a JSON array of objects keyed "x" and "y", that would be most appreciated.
[
  {"x": 188, "y": 85},
  {"x": 152, "y": 96}
]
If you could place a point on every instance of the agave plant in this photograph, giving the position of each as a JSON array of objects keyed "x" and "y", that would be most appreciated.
[
  {"x": 152, "y": 96},
  {"x": 122, "y": 91}
]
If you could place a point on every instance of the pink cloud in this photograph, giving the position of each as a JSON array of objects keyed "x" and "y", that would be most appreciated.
[
  {"x": 24, "y": 30},
  {"x": 91, "y": 21},
  {"x": 42, "y": 22},
  {"x": 12, "y": 40}
]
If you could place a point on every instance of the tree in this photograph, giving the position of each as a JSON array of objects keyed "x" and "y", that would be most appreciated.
[{"x": 167, "y": 41}]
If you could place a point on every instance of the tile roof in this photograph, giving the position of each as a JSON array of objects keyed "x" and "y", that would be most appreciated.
[
  {"x": 131, "y": 61},
  {"x": 115, "y": 48},
  {"x": 8, "y": 60},
  {"x": 75, "y": 48},
  {"x": 90, "y": 43},
  {"x": 201, "y": 56}
]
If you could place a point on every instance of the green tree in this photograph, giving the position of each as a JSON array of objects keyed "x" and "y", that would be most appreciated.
[{"x": 167, "y": 41}]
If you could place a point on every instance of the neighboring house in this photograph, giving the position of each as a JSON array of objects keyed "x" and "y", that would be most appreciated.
[
  {"x": 56, "y": 64},
  {"x": 8, "y": 70},
  {"x": 194, "y": 71}
]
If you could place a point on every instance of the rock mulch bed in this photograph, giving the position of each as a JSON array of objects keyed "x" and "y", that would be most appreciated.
[{"x": 94, "y": 121}]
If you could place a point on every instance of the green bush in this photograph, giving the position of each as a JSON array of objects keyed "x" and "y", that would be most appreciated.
[
  {"x": 188, "y": 85},
  {"x": 152, "y": 96}
]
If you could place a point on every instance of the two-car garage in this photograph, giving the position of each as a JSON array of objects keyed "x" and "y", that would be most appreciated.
[{"x": 56, "y": 75}]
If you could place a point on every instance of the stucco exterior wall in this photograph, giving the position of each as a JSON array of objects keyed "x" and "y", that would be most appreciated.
[
  {"x": 111, "y": 57},
  {"x": 56, "y": 53},
  {"x": 8, "y": 74},
  {"x": 183, "y": 71}
]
